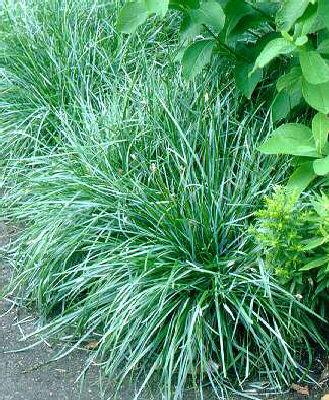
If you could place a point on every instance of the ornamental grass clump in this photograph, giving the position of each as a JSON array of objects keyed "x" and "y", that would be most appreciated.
[
  {"x": 139, "y": 238},
  {"x": 57, "y": 55}
]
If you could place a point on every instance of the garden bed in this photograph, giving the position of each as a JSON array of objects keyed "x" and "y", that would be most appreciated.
[{"x": 173, "y": 221}]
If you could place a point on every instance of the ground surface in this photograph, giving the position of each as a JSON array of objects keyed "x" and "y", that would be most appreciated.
[{"x": 28, "y": 375}]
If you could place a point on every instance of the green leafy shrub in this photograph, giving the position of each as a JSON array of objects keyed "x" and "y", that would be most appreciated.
[
  {"x": 317, "y": 249},
  {"x": 294, "y": 239},
  {"x": 254, "y": 36},
  {"x": 280, "y": 230}
]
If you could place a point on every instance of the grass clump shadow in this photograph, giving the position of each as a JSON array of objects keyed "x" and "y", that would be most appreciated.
[{"x": 135, "y": 225}]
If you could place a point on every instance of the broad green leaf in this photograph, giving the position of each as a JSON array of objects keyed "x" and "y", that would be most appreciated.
[
  {"x": 301, "y": 178},
  {"x": 294, "y": 139},
  {"x": 280, "y": 108},
  {"x": 250, "y": 51},
  {"x": 250, "y": 22},
  {"x": 323, "y": 12},
  {"x": 289, "y": 12},
  {"x": 314, "y": 243},
  {"x": 289, "y": 79},
  {"x": 273, "y": 49},
  {"x": 196, "y": 56},
  {"x": 317, "y": 262},
  {"x": 320, "y": 129},
  {"x": 189, "y": 29},
  {"x": 317, "y": 96},
  {"x": 301, "y": 41},
  {"x": 315, "y": 68},
  {"x": 235, "y": 10},
  {"x": 323, "y": 35},
  {"x": 285, "y": 101},
  {"x": 308, "y": 23},
  {"x": 131, "y": 16},
  {"x": 245, "y": 83},
  {"x": 184, "y": 4},
  {"x": 323, "y": 47},
  {"x": 322, "y": 287},
  {"x": 321, "y": 166},
  {"x": 159, "y": 7},
  {"x": 210, "y": 13},
  {"x": 267, "y": 8}
]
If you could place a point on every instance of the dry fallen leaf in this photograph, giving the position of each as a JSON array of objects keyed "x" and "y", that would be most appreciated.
[
  {"x": 302, "y": 390},
  {"x": 92, "y": 345},
  {"x": 325, "y": 374},
  {"x": 325, "y": 397}
]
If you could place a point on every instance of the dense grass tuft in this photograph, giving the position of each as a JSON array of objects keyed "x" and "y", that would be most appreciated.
[
  {"x": 143, "y": 241},
  {"x": 134, "y": 203},
  {"x": 57, "y": 56}
]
